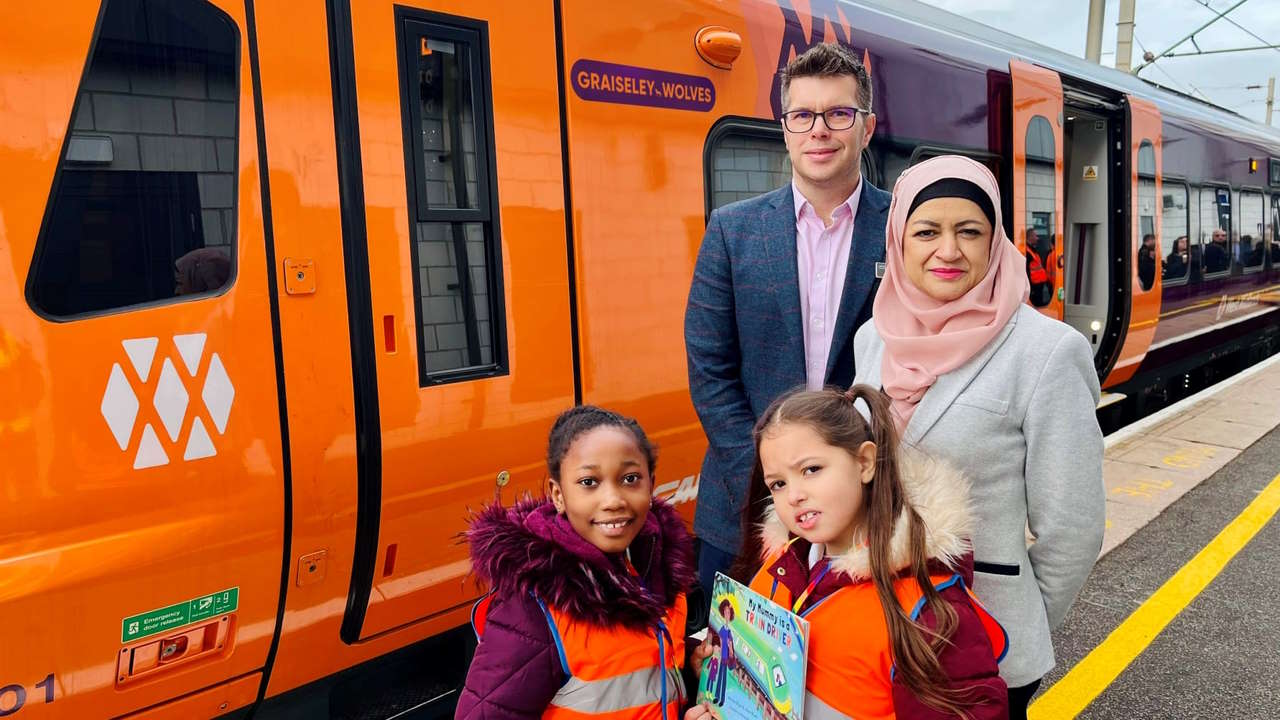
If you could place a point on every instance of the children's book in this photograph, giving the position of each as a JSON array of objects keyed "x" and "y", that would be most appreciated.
[{"x": 756, "y": 669}]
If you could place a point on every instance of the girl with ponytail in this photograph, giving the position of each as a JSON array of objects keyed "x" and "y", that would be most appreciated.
[{"x": 871, "y": 547}]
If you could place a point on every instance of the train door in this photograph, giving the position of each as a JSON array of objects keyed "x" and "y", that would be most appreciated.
[
  {"x": 1037, "y": 181},
  {"x": 1145, "y": 247},
  {"x": 140, "y": 426},
  {"x": 448, "y": 121}
]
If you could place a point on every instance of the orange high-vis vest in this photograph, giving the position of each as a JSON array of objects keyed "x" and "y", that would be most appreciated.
[
  {"x": 614, "y": 673},
  {"x": 850, "y": 663},
  {"x": 1036, "y": 271}
]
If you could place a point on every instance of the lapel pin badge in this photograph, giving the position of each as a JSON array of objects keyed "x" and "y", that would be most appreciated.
[{"x": 879, "y": 270}]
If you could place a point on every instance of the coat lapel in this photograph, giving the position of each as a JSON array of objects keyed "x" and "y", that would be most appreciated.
[
  {"x": 860, "y": 276},
  {"x": 778, "y": 225},
  {"x": 939, "y": 397}
]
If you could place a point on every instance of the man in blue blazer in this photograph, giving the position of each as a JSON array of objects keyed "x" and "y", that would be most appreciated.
[{"x": 781, "y": 283}]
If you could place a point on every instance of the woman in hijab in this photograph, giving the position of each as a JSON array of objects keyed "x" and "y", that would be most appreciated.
[{"x": 981, "y": 380}]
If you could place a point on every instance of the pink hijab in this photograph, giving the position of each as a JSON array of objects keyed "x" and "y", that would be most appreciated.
[{"x": 923, "y": 337}]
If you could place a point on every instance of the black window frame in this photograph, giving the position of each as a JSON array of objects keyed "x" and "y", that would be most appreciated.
[
  {"x": 56, "y": 186},
  {"x": 1149, "y": 174},
  {"x": 1273, "y": 172},
  {"x": 1245, "y": 268},
  {"x": 1166, "y": 182},
  {"x": 926, "y": 151},
  {"x": 474, "y": 33},
  {"x": 1215, "y": 186}
]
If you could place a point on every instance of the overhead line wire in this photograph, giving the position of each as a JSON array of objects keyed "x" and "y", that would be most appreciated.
[{"x": 1252, "y": 34}]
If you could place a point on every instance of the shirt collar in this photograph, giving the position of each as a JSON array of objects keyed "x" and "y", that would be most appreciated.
[{"x": 801, "y": 202}]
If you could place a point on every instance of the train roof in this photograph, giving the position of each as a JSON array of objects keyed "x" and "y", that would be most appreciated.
[{"x": 941, "y": 21}]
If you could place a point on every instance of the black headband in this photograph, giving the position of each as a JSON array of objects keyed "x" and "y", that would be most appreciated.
[{"x": 958, "y": 188}]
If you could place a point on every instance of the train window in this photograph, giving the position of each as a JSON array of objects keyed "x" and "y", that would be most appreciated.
[
  {"x": 453, "y": 199},
  {"x": 143, "y": 207},
  {"x": 991, "y": 161},
  {"x": 744, "y": 165},
  {"x": 1174, "y": 224},
  {"x": 1252, "y": 246},
  {"x": 747, "y": 160},
  {"x": 1274, "y": 252},
  {"x": 1215, "y": 230},
  {"x": 1041, "y": 194},
  {"x": 1149, "y": 245}
]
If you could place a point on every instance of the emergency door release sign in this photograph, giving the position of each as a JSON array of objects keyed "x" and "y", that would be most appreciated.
[
  {"x": 175, "y": 616},
  {"x": 629, "y": 85}
]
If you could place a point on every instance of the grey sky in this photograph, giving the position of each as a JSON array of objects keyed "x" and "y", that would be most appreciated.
[{"x": 1158, "y": 24}]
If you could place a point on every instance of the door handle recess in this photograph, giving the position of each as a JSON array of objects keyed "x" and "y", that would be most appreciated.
[{"x": 175, "y": 650}]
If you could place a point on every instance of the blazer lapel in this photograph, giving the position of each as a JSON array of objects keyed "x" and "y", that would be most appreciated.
[
  {"x": 938, "y": 398},
  {"x": 778, "y": 225},
  {"x": 860, "y": 275}
]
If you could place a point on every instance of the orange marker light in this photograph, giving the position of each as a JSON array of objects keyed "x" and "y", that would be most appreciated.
[{"x": 719, "y": 46}]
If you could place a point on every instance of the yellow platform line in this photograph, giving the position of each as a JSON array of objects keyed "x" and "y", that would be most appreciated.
[{"x": 1068, "y": 697}]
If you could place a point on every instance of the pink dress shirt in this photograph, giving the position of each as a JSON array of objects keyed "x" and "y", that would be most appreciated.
[{"x": 822, "y": 257}]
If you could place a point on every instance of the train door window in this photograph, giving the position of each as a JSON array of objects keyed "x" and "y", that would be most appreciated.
[
  {"x": 143, "y": 207},
  {"x": 1215, "y": 230},
  {"x": 1041, "y": 193},
  {"x": 1174, "y": 223},
  {"x": 746, "y": 160},
  {"x": 453, "y": 201},
  {"x": 1252, "y": 246},
  {"x": 746, "y": 163},
  {"x": 1149, "y": 248}
]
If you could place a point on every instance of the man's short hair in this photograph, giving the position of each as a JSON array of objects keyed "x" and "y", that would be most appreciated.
[{"x": 828, "y": 60}]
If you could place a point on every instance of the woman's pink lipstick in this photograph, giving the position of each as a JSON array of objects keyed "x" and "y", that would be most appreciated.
[{"x": 947, "y": 273}]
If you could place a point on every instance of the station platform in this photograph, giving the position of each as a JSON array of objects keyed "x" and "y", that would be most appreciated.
[
  {"x": 1178, "y": 618},
  {"x": 1150, "y": 464}
]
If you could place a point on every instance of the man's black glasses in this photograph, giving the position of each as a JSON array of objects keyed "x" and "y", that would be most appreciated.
[{"x": 838, "y": 118}]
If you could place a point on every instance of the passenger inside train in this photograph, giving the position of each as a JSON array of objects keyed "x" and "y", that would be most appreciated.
[
  {"x": 1175, "y": 266},
  {"x": 1147, "y": 261},
  {"x": 1217, "y": 256}
]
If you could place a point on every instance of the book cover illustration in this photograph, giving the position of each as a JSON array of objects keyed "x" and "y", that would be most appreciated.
[{"x": 756, "y": 669}]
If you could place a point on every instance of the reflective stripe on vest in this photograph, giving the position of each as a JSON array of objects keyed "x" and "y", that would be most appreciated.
[
  {"x": 615, "y": 673},
  {"x": 816, "y": 709},
  {"x": 636, "y": 689}
]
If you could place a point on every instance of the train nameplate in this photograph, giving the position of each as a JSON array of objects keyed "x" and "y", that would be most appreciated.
[{"x": 629, "y": 85}]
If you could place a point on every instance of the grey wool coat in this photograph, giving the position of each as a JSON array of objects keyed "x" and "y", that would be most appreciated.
[{"x": 1018, "y": 420}]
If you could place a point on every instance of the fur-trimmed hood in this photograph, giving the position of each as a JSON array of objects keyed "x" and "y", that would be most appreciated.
[
  {"x": 529, "y": 548},
  {"x": 939, "y": 493}
]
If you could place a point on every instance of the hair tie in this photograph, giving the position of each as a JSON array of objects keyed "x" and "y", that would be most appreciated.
[{"x": 849, "y": 395}]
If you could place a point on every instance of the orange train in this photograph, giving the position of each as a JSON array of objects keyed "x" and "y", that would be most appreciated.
[{"x": 287, "y": 288}]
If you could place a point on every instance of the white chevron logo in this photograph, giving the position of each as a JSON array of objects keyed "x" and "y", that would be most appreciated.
[{"x": 178, "y": 365}]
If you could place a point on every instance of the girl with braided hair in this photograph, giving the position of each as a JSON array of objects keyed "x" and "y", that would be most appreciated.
[{"x": 586, "y": 612}]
